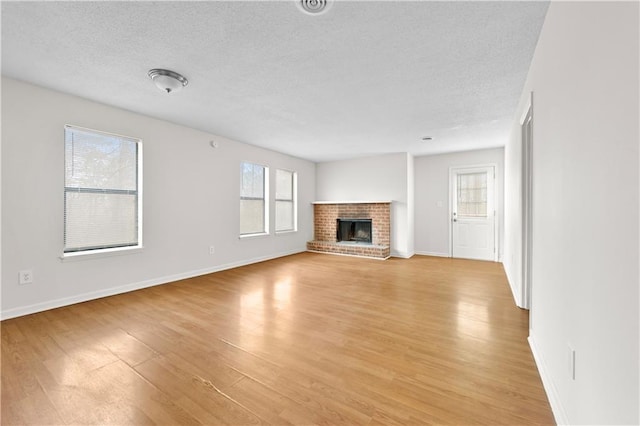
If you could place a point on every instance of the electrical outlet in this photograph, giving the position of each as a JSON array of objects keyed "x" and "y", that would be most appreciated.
[
  {"x": 25, "y": 277},
  {"x": 212, "y": 250}
]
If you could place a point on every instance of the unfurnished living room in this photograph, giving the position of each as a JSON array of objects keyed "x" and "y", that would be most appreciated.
[{"x": 320, "y": 212}]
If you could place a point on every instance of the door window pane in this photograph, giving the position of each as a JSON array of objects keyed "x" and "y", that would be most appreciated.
[{"x": 472, "y": 195}]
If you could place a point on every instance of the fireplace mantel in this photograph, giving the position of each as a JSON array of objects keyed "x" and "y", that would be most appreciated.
[{"x": 325, "y": 219}]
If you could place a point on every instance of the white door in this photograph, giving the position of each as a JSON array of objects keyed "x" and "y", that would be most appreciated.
[{"x": 473, "y": 213}]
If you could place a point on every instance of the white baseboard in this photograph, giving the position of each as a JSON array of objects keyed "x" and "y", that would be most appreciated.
[
  {"x": 402, "y": 254},
  {"x": 552, "y": 394},
  {"x": 84, "y": 297},
  {"x": 432, "y": 253}
]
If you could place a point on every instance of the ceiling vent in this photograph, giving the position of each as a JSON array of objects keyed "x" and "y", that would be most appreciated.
[{"x": 314, "y": 7}]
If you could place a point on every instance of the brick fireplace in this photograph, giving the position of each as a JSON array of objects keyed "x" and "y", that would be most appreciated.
[{"x": 325, "y": 219}]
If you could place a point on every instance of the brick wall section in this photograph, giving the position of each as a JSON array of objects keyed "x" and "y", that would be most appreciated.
[
  {"x": 379, "y": 252},
  {"x": 325, "y": 224}
]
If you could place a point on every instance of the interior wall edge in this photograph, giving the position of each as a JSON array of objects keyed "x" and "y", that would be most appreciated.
[{"x": 512, "y": 286}]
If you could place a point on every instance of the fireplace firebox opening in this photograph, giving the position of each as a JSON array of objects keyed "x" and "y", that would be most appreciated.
[{"x": 354, "y": 231}]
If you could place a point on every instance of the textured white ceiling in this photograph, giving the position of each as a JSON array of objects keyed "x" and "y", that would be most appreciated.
[{"x": 363, "y": 78}]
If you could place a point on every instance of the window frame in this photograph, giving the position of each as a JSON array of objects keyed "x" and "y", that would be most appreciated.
[
  {"x": 293, "y": 201},
  {"x": 264, "y": 199},
  {"x": 105, "y": 249}
]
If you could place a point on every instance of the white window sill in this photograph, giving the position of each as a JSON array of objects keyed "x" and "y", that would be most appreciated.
[
  {"x": 250, "y": 236},
  {"x": 97, "y": 254},
  {"x": 290, "y": 231}
]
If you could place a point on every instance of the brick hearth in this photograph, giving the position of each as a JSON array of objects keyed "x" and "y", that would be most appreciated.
[{"x": 325, "y": 217}]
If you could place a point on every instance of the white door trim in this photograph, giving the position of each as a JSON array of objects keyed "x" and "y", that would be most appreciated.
[
  {"x": 496, "y": 217},
  {"x": 527, "y": 204}
]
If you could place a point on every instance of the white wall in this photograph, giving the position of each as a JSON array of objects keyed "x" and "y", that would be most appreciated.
[
  {"x": 191, "y": 201},
  {"x": 432, "y": 197},
  {"x": 584, "y": 78},
  {"x": 379, "y": 178},
  {"x": 411, "y": 210},
  {"x": 512, "y": 258}
]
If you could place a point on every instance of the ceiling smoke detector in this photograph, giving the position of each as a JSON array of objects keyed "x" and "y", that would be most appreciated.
[
  {"x": 314, "y": 7},
  {"x": 167, "y": 81}
]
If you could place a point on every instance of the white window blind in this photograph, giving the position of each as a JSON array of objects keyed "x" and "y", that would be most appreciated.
[
  {"x": 472, "y": 194},
  {"x": 285, "y": 200},
  {"x": 102, "y": 204},
  {"x": 253, "y": 200}
]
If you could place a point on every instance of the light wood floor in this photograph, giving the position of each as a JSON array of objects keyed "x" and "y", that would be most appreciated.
[{"x": 305, "y": 339}]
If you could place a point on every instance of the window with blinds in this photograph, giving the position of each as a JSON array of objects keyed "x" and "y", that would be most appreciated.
[
  {"x": 102, "y": 202},
  {"x": 253, "y": 199},
  {"x": 285, "y": 201},
  {"x": 472, "y": 195}
]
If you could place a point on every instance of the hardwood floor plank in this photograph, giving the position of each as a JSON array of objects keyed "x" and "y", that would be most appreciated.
[
  {"x": 117, "y": 414},
  {"x": 127, "y": 348},
  {"x": 304, "y": 339},
  {"x": 186, "y": 383},
  {"x": 36, "y": 409},
  {"x": 266, "y": 402}
]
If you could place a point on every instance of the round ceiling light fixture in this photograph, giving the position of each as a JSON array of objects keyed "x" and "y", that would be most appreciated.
[
  {"x": 167, "y": 81},
  {"x": 314, "y": 7}
]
